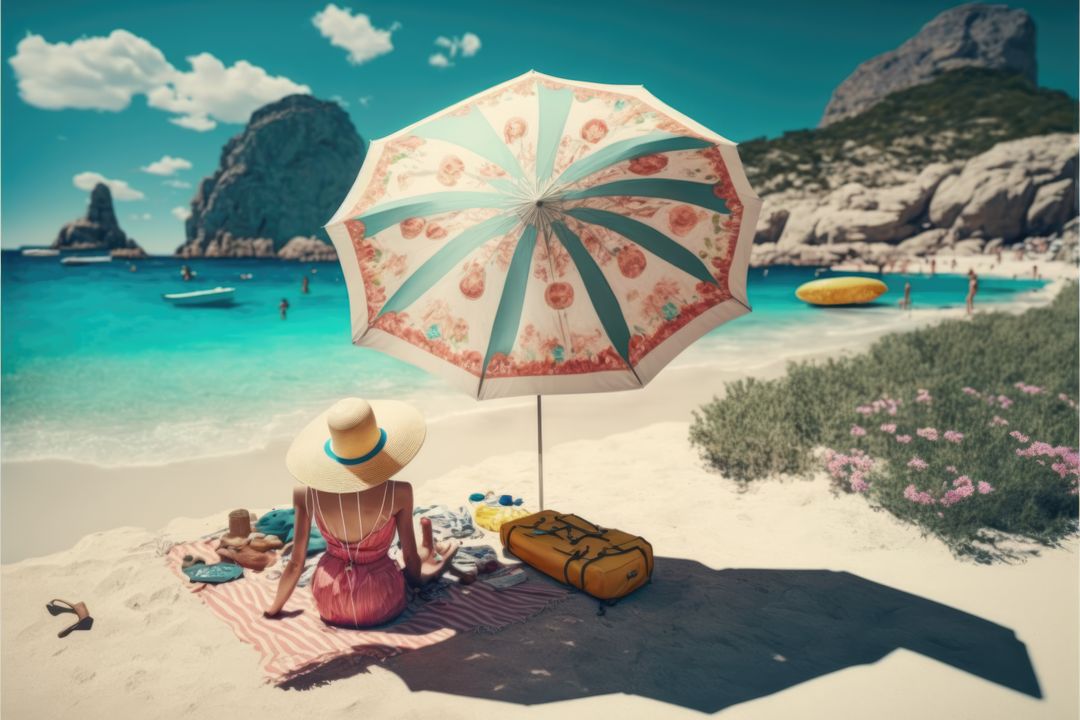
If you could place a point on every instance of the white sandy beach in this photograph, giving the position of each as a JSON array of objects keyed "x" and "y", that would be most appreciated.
[{"x": 619, "y": 459}]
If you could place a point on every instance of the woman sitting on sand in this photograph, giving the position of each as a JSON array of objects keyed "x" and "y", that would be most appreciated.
[{"x": 345, "y": 458}]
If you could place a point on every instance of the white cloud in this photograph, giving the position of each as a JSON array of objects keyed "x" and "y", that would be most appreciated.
[
  {"x": 470, "y": 44},
  {"x": 167, "y": 165},
  {"x": 120, "y": 189},
  {"x": 211, "y": 91},
  {"x": 181, "y": 213},
  {"x": 354, "y": 33},
  {"x": 104, "y": 73},
  {"x": 467, "y": 45},
  {"x": 177, "y": 183},
  {"x": 340, "y": 100},
  {"x": 365, "y": 100},
  {"x": 144, "y": 216},
  {"x": 96, "y": 73}
]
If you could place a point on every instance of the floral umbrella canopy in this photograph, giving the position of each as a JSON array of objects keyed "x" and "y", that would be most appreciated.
[{"x": 546, "y": 236}]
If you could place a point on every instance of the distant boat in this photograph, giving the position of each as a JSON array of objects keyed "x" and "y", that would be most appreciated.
[
  {"x": 86, "y": 259},
  {"x": 40, "y": 252},
  {"x": 218, "y": 297}
]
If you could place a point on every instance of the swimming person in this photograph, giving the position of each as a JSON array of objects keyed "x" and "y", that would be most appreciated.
[
  {"x": 345, "y": 459},
  {"x": 185, "y": 272},
  {"x": 973, "y": 287},
  {"x": 905, "y": 304},
  {"x": 283, "y": 306}
]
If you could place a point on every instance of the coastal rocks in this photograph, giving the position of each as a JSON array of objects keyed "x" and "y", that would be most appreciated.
[
  {"x": 852, "y": 212},
  {"x": 307, "y": 249},
  {"x": 973, "y": 35},
  {"x": 1053, "y": 204},
  {"x": 282, "y": 177},
  {"x": 995, "y": 193},
  {"x": 98, "y": 230},
  {"x": 1017, "y": 189},
  {"x": 224, "y": 245}
]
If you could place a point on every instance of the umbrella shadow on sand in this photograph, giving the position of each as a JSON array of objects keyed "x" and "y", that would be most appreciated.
[{"x": 707, "y": 639}]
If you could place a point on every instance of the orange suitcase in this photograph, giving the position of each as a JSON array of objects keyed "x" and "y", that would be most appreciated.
[{"x": 607, "y": 564}]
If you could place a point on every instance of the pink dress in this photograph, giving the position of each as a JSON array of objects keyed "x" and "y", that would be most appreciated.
[{"x": 357, "y": 584}]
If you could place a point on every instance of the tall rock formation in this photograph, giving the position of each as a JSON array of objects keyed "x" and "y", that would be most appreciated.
[
  {"x": 99, "y": 230},
  {"x": 282, "y": 177},
  {"x": 973, "y": 35}
]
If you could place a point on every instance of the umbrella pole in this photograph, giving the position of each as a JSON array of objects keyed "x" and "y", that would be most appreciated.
[{"x": 540, "y": 448}]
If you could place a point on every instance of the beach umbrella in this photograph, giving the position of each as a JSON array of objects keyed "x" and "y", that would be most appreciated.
[{"x": 546, "y": 236}]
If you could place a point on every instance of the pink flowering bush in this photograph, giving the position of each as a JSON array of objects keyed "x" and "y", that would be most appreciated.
[{"x": 967, "y": 429}]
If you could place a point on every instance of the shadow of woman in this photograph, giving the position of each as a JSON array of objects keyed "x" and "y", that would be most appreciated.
[{"x": 708, "y": 639}]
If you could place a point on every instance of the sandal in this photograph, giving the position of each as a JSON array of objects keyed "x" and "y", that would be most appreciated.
[
  {"x": 57, "y": 606},
  {"x": 85, "y": 621}
]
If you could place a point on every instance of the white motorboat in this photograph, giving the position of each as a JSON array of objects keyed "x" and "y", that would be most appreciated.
[
  {"x": 40, "y": 252},
  {"x": 86, "y": 259},
  {"x": 217, "y": 297}
]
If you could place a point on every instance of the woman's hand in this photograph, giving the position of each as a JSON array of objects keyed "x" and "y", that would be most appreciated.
[{"x": 434, "y": 558}]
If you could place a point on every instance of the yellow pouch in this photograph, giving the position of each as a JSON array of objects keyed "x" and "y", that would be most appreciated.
[{"x": 492, "y": 518}]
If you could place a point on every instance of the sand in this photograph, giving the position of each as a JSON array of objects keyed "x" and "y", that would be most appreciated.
[{"x": 784, "y": 600}]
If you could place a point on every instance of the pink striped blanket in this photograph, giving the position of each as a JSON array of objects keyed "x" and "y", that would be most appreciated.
[{"x": 298, "y": 641}]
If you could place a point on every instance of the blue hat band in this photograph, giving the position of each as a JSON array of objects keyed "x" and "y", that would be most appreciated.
[{"x": 357, "y": 460}]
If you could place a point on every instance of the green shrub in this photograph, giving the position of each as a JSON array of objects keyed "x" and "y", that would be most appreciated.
[{"x": 967, "y": 373}]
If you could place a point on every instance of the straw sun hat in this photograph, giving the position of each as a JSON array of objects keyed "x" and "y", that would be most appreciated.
[{"x": 356, "y": 445}]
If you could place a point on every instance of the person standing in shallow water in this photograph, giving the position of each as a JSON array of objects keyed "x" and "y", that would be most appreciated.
[
  {"x": 283, "y": 307},
  {"x": 304, "y": 285},
  {"x": 905, "y": 304},
  {"x": 973, "y": 287}
]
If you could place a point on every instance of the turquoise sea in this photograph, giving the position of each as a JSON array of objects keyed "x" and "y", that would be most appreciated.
[{"x": 96, "y": 367}]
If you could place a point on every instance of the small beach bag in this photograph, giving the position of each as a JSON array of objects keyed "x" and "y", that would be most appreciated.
[{"x": 607, "y": 564}]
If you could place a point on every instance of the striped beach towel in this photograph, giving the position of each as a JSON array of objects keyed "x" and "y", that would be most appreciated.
[{"x": 299, "y": 642}]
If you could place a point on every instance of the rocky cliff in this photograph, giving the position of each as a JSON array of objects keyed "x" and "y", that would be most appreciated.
[
  {"x": 1018, "y": 190},
  {"x": 973, "y": 35},
  {"x": 308, "y": 249},
  {"x": 282, "y": 177},
  {"x": 98, "y": 230}
]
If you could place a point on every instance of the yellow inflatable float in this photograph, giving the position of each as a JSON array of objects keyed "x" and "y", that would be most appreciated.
[{"x": 841, "y": 291}]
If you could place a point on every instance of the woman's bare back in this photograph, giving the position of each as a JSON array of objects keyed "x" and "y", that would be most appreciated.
[{"x": 351, "y": 517}]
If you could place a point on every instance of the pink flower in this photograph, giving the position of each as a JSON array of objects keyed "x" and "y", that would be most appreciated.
[
  {"x": 917, "y": 463},
  {"x": 930, "y": 434},
  {"x": 918, "y": 497},
  {"x": 1004, "y": 402},
  {"x": 1018, "y": 435},
  {"x": 962, "y": 481},
  {"x": 952, "y": 469},
  {"x": 682, "y": 219},
  {"x": 953, "y": 436},
  {"x": 905, "y": 439},
  {"x": 864, "y": 410},
  {"x": 985, "y": 488},
  {"x": 1028, "y": 389},
  {"x": 961, "y": 492},
  {"x": 857, "y": 431},
  {"x": 998, "y": 420},
  {"x": 594, "y": 130},
  {"x": 648, "y": 164},
  {"x": 858, "y": 482},
  {"x": 923, "y": 396},
  {"x": 888, "y": 428},
  {"x": 970, "y": 391}
]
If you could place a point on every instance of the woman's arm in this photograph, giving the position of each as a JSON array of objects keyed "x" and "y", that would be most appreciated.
[
  {"x": 406, "y": 535},
  {"x": 426, "y": 562},
  {"x": 295, "y": 567}
]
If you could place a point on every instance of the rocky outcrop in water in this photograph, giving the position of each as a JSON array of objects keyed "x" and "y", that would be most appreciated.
[
  {"x": 972, "y": 35},
  {"x": 282, "y": 177},
  {"x": 308, "y": 249},
  {"x": 1021, "y": 190},
  {"x": 98, "y": 230}
]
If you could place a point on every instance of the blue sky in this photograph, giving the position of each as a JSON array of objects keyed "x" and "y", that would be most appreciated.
[{"x": 743, "y": 69}]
